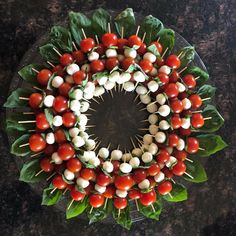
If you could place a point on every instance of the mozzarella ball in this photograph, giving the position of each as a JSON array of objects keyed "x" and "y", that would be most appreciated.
[
  {"x": 103, "y": 153},
  {"x": 107, "y": 166},
  {"x": 69, "y": 175},
  {"x": 121, "y": 193},
  {"x": 90, "y": 144},
  {"x": 165, "y": 69},
  {"x": 181, "y": 144},
  {"x": 84, "y": 106},
  {"x": 82, "y": 120},
  {"x": 82, "y": 128},
  {"x": 125, "y": 168},
  {"x": 185, "y": 123},
  {"x": 116, "y": 155},
  {"x": 147, "y": 139},
  {"x": 57, "y": 121},
  {"x": 153, "y": 129},
  {"x": 102, "y": 80},
  {"x": 169, "y": 149},
  {"x": 98, "y": 91},
  {"x": 139, "y": 76},
  {"x": 161, "y": 99},
  {"x": 152, "y": 119},
  {"x": 145, "y": 184},
  {"x": 130, "y": 52},
  {"x": 77, "y": 94},
  {"x": 48, "y": 101},
  {"x": 86, "y": 156},
  {"x": 141, "y": 90},
  {"x": 171, "y": 161},
  {"x": 124, "y": 77},
  {"x": 78, "y": 141},
  {"x": 186, "y": 103},
  {"x": 111, "y": 52},
  {"x": 137, "y": 152},
  {"x": 94, "y": 161},
  {"x": 134, "y": 162},
  {"x": 114, "y": 76},
  {"x": 181, "y": 87},
  {"x": 129, "y": 86},
  {"x": 83, "y": 183},
  {"x": 160, "y": 137},
  {"x": 57, "y": 81},
  {"x": 69, "y": 79},
  {"x": 109, "y": 85},
  {"x": 153, "y": 71},
  {"x": 55, "y": 157},
  {"x": 85, "y": 68},
  {"x": 93, "y": 56},
  {"x": 164, "y": 110},
  {"x": 72, "y": 68},
  {"x": 144, "y": 147},
  {"x": 75, "y": 105},
  {"x": 100, "y": 189},
  {"x": 126, "y": 157},
  {"x": 145, "y": 99},
  {"x": 151, "y": 108},
  {"x": 73, "y": 132},
  {"x": 88, "y": 96},
  {"x": 153, "y": 86},
  {"x": 147, "y": 157},
  {"x": 89, "y": 87},
  {"x": 159, "y": 177},
  {"x": 84, "y": 135},
  {"x": 50, "y": 138},
  {"x": 153, "y": 148},
  {"x": 150, "y": 56},
  {"x": 164, "y": 125}
]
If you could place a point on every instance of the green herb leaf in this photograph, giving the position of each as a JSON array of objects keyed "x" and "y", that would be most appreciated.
[
  {"x": 215, "y": 122},
  {"x": 124, "y": 218},
  {"x": 178, "y": 193},
  {"x": 13, "y": 100},
  {"x": 49, "y": 85},
  {"x": 148, "y": 212},
  {"x": 211, "y": 143},
  {"x": 21, "y": 151},
  {"x": 153, "y": 49},
  {"x": 30, "y": 169},
  {"x": 49, "y": 198},
  {"x": 99, "y": 75},
  {"x": 167, "y": 40},
  {"x": 187, "y": 55},
  {"x": 100, "y": 20},
  {"x": 125, "y": 19},
  {"x": 48, "y": 54},
  {"x": 196, "y": 170},
  {"x": 152, "y": 26},
  {"x": 206, "y": 91},
  {"x": 76, "y": 208},
  {"x": 49, "y": 116},
  {"x": 27, "y": 74}
]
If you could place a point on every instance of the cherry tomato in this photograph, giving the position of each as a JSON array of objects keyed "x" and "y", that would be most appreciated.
[
  {"x": 65, "y": 151},
  {"x": 164, "y": 78},
  {"x": 86, "y": 45},
  {"x": 173, "y": 61},
  {"x": 43, "y": 76},
  {"x": 192, "y": 145},
  {"x": 97, "y": 66},
  {"x": 111, "y": 62},
  {"x": 110, "y": 192},
  {"x": 197, "y": 120},
  {"x": 100, "y": 49},
  {"x": 177, "y": 106},
  {"x": 134, "y": 194},
  {"x": 179, "y": 168},
  {"x": 73, "y": 165},
  {"x": 78, "y": 56},
  {"x": 64, "y": 89},
  {"x": 134, "y": 40},
  {"x": 45, "y": 165},
  {"x": 120, "y": 44},
  {"x": 41, "y": 121},
  {"x": 124, "y": 182},
  {"x": 109, "y": 39},
  {"x": 173, "y": 140},
  {"x": 168, "y": 174},
  {"x": 171, "y": 90},
  {"x": 79, "y": 76},
  {"x": 116, "y": 166},
  {"x": 163, "y": 156},
  {"x": 185, "y": 132},
  {"x": 87, "y": 173},
  {"x": 49, "y": 150},
  {"x": 158, "y": 46},
  {"x": 142, "y": 49},
  {"x": 103, "y": 180},
  {"x": 164, "y": 187},
  {"x": 96, "y": 200},
  {"x": 183, "y": 95},
  {"x": 174, "y": 76},
  {"x": 58, "y": 182},
  {"x": 76, "y": 195},
  {"x": 35, "y": 100},
  {"x": 89, "y": 189},
  {"x": 120, "y": 203},
  {"x": 195, "y": 100},
  {"x": 60, "y": 136},
  {"x": 146, "y": 65},
  {"x": 139, "y": 175},
  {"x": 154, "y": 169},
  {"x": 176, "y": 121},
  {"x": 66, "y": 59},
  {"x": 69, "y": 119},
  {"x": 160, "y": 61},
  {"x": 37, "y": 143},
  {"x": 127, "y": 62},
  {"x": 180, "y": 155},
  {"x": 149, "y": 198},
  {"x": 60, "y": 104},
  {"x": 59, "y": 70},
  {"x": 190, "y": 81}
]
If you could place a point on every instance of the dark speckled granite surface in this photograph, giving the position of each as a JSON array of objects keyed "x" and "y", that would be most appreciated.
[{"x": 210, "y": 25}]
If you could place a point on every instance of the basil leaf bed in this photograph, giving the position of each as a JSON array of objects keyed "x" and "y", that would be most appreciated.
[{"x": 97, "y": 55}]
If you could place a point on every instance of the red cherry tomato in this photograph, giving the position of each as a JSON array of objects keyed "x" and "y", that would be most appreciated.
[
  {"x": 78, "y": 56},
  {"x": 192, "y": 145},
  {"x": 97, "y": 66},
  {"x": 79, "y": 76},
  {"x": 49, "y": 150},
  {"x": 173, "y": 61},
  {"x": 179, "y": 168},
  {"x": 168, "y": 174},
  {"x": 41, "y": 121},
  {"x": 66, "y": 59},
  {"x": 111, "y": 62},
  {"x": 103, "y": 180},
  {"x": 149, "y": 198},
  {"x": 96, "y": 200},
  {"x": 64, "y": 89},
  {"x": 164, "y": 78},
  {"x": 120, "y": 44},
  {"x": 134, "y": 194},
  {"x": 174, "y": 76},
  {"x": 65, "y": 151},
  {"x": 154, "y": 169},
  {"x": 134, "y": 40},
  {"x": 76, "y": 195},
  {"x": 69, "y": 119},
  {"x": 86, "y": 45},
  {"x": 176, "y": 121},
  {"x": 146, "y": 65},
  {"x": 110, "y": 192},
  {"x": 160, "y": 61},
  {"x": 59, "y": 70},
  {"x": 124, "y": 182},
  {"x": 120, "y": 203},
  {"x": 60, "y": 136},
  {"x": 190, "y": 81},
  {"x": 177, "y": 106},
  {"x": 196, "y": 101},
  {"x": 173, "y": 140},
  {"x": 89, "y": 189},
  {"x": 116, "y": 166},
  {"x": 87, "y": 173},
  {"x": 171, "y": 90},
  {"x": 127, "y": 62},
  {"x": 142, "y": 49},
  {"x": 35, "y": 100},
  {"x": 60, "y": 104},
  {"x": 180, "y": 155},
  {"x": 163, "y": 156},
  {"x": 164, "y": 187},
  {"x": 45, "y": 165},
  {"x": 100, "y": 49},
  {"x": 158, "y": 46},
  {"x": 58, "y": 182},
  {"x": 185, "y": 132},
  {"x": 139, "y": 175},
  {"x": 197, "y": 120},
  {"x": 109, "y": 39},
  {"x": 73, "y": 165},
  {"x": 43, "y": 76}
]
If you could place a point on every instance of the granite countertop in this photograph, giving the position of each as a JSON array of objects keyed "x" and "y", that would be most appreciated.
[{"x": 211, "y": 208}]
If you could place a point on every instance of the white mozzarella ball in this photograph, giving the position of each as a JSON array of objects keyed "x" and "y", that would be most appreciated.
[
  {"x": 185, "y": 123},
  {"x": 145, "y": 99},
  {"x": 102, "y": 80},
  {"x": 72, "y": 68},
  {"x": 181, "y": 144},
  {"x": 161, "y": 99},
  {"x": 69, "y": 79},
  {"x": 153, "y": 148},
  {"x": 130, "y": 52},
  {"x": 145, "y": 184},
  {"x": 153, "y": 71},
  {"x": 150, "y": 56},
  {"x": 98, "y": 91},
  {"x": 124, "y": 77},
  {"x": 55, "y": 157},
  {"x": 88, "y": 96},
  {"x": 129, "y": 86},
  {"x": 164, "y": 125},
  {"x": 78, "y": 141},
  {"x": 69, "y": 175},
  {"x": 86, "y": 156},
  {"x": 151, "y": 108},
  {"x": 82, "y": 120},
  {"x": 89, "y": 87},
  {"x": 147, "y": 139},
  {"x": 126, "y": 157},
  {"x": 90, "y": 144},
  {"x": 84, "y": 106},
  {"x": 111, "y": 52},
  {"x": 121, "y": 193},
  {"x": 153, "y": 86},
  {"x": 48, "y": 100},
  {"x": 73, "y": 132},
  {"x": 82, "y": 128},
  {"x": 164, "y": 110},
  {"x": 169, "y": 149},
  {"x": 181, "y": 87},
  {"x": 125, "y": 168},
  {"x": 186, "y": 103},
  {"x": 160, "y": 137},
  {"x": 50, "y": 138},
  {"x": 109, "y": 85},
  {"x": 162, "y": 165},
  {"x": 100, "y": 189},
  {"x": 107, "y": 166},
  {"x": 85, "y": 68},
  {"x": 141, "y": 90},
  {"x": 147, "y": 157},
  {"x": 75, "y": 105},
  {"x": 159, "y": 177},
  {"x": 153, "y": 129},
  {"x": 83, "y": 183},
  {"x": 144, "y": 147},
  {"x": 171, "y": 161},
  {"x": 114, "y": 76},
  {"x": 94, "y": 161},
  {"x": 92, "y": 155},
  {"x": 139, "y": 76},
  {"x": 77, "y": 94},
  {"x": 116, "y": 155},
  {"x": 137, "y": 152},
  {"x": 165, "y": 69},
  {"x": 134, "y": 162},
  {"x": 84, "y": 135},
  {"x": 152, "y": 119},
  {"x": 93, "y": 56},
  {"x": 57, "y": 121},
  {"x": 103, "y": 153},
  {"x": 57, "y": 81}
]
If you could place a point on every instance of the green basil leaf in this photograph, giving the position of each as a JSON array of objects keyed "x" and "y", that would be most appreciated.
[
  {"x": 49, "y": 85},
  {"x": 148, "y": 211},
  {"x": 100, "y": 20},
  {"x": 167, "y": 40},
  {"x": 49, "y": 116},
  {"x": 50, "y": 198},
  {"x": 152, "y": 26},
  {"x": 99, "y": 75},
  {"x": 48, "y": 54},
  {"x": 30, "y": 169},
  {"x": 197, "y": 72},
  {"x": 21, "y": 151},
  {"x": 76, "y": 208},
  {"x": 27, "y": 74},
  {"x": 206, "y": 91},
  {"x": 211, "y": 144},
  {"x": 77, "y": 22},
  {"x": 178, "y": 193},
  {"x": 13, "y": 100},
  {"x": 215, "y": 122},
  {"x": 125, "y": 19},
  {"x": 195, "y": 170},
  {"x": 187, "y": 55},
  {"x": 123, "y": 218},
  {"x": 153, "y": 49}
]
